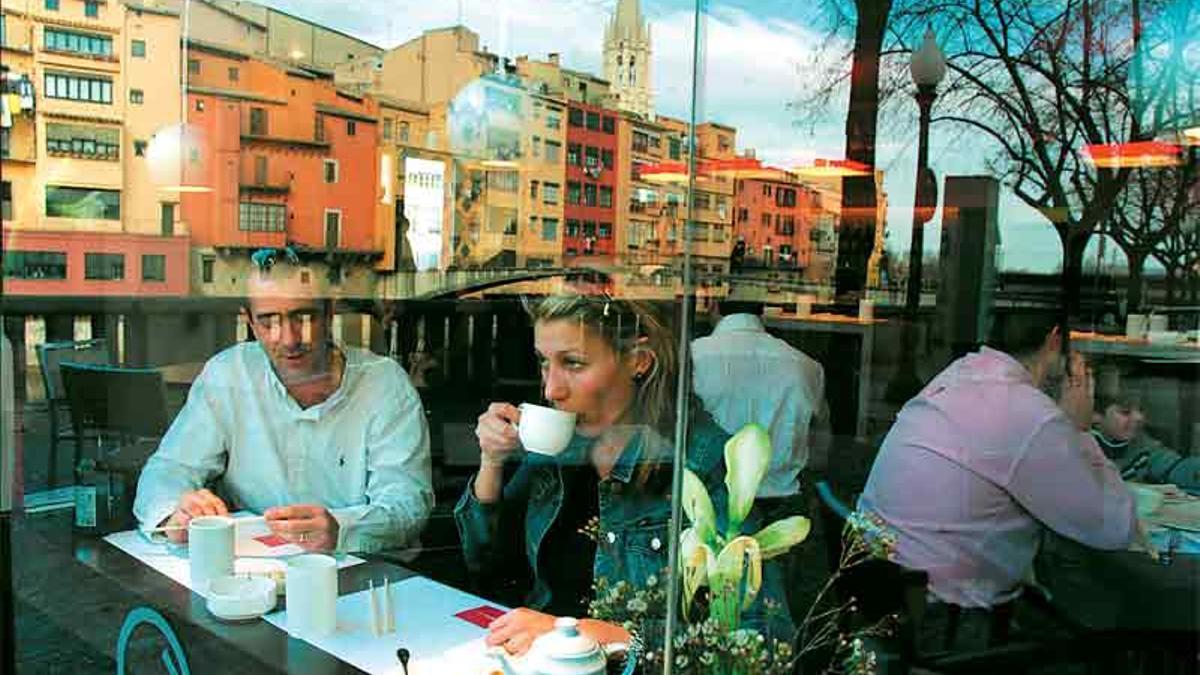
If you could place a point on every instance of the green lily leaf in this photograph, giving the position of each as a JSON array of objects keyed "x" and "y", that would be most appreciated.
[
  {"x": 695, "y": 558},
  {"x": 747, "y": 457},
  {"x": 698, "y": 507},
  {"x": 781, "y": 535}
]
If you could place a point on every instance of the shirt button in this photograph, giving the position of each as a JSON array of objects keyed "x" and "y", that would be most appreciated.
[
  {"x": 655, "y": 543},
  {"x": 611, "y": 537}
]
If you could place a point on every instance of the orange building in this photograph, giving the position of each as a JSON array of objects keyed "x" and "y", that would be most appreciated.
[
  {"x": 774, "y": 217},
  {"x": 282, "y": 157}
]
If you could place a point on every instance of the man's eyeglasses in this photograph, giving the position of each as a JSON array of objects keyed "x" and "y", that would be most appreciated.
[{"x": 265, "y": 258}]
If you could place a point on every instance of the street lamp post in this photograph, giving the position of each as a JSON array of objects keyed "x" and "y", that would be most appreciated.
[{"x": 927, "y": 67}]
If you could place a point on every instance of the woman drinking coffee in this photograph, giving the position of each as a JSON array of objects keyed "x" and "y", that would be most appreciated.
[{"x": 600, "y": 507}]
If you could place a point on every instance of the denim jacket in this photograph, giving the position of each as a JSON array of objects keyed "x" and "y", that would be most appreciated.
[{"x": 632, "y": 536}]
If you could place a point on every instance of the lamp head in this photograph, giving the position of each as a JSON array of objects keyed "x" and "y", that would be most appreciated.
[{"x": 928, "y": 65}]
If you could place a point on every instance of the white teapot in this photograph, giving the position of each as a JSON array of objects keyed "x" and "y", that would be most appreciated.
[{"x": 565, "y": 651}]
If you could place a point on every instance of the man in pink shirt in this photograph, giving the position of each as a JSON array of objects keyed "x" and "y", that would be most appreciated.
[{"x": 980, "y": 461}]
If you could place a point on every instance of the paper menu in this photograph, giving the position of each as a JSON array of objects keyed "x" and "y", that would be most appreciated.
[
  {"x": 440, "y": 643},
  {"x": 172, "y": 559}
]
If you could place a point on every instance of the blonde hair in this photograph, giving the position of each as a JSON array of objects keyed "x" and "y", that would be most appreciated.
[{"x": 627, "y": 326}]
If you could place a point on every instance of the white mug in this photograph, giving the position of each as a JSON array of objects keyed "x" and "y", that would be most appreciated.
[
  {"x": 210, "y": 549},
  {"x": 311, "y": 595},
  {"x": 1136, "y": 326},
  {"x": 804, "y": 306},
  {"x": 545, "y": 430}
]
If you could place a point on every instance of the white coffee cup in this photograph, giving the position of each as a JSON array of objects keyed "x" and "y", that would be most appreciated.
[
  {"x": 1158, "y": 323},
  {"x": 210, "y": 549},
  {"x": 1136, "y": 326},
  {"x": 866, "y": 310},
  {"x": 804, "y": 305},
  {"x": 545, "y": 430},
  {"x": 311, "y": 595}
]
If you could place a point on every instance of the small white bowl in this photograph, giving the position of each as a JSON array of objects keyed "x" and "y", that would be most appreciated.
[{"x": 234, "y": 598}]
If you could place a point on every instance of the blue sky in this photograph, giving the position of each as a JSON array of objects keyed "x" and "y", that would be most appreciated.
[{"x": 759, "y": 56}]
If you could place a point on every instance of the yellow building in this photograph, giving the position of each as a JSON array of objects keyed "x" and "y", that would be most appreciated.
[
  {"x": 542, "y": 168},
  {"x": 86, "y": 214},
  {"x": 429, "y": 69},
  {"x": 712, "y": 199}
]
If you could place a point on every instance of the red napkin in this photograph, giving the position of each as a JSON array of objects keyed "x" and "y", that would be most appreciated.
[
  {"x": 271, "y": 540},
  {"x": 481, "y": 616}
]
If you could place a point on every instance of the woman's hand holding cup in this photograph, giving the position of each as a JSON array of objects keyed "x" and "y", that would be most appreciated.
[{"x": 498, "y": 439}]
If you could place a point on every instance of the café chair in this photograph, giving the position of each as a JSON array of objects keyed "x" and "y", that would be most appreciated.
[
  {"x": 116, "y": 405},
  {"x": 51, "y": 356}
]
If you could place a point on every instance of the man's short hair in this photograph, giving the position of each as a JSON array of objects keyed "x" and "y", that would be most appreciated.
[
  {"x": 301, "y": 274},
  {"x": 1114, "y": 387},
  {"x": 728, "y": 307},
  {"x": 1022, "y": 334}
]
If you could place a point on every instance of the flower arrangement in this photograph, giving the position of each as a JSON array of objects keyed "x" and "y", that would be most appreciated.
[{"x": 721, "y": 572}]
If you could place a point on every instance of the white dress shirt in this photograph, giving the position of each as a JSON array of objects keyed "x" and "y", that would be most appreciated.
[
  {"x": 363, "y": 453},
  {"x": 975, "y": 466},
  {"x": 744, "y": 374}
]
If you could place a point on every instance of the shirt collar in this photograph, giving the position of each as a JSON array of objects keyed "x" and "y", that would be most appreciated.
[
  {"x": 275, "y": 384},
  {"x": 740, "y": 322}
]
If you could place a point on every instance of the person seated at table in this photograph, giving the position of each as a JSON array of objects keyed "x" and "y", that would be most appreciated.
[
  {"x": 599, "y": 509},
  {"x": 329, "y": 443},
  {"x": 977, "y": 465},
  {"x": 1119, "y": 429}
]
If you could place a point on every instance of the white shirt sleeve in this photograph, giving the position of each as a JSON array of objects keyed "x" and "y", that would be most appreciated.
[
  {"x": 399, "y": 477},
  {"x": 192, "y": 453}
]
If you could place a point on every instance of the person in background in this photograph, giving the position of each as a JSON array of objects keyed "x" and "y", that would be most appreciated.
[
  {"x": 744, "y": 375},
  {"x": 329, "y": 443},
  {"x": 599, "y": 509},
  {"x": 1119, "y": 430},
  {"x": 977, "y": 465}
]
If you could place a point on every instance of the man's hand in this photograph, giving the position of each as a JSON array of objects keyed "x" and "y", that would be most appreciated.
[
  {"x": 517, "y": 630},
  {"x": 309, "y": 526},
  {"x": 193, "y": 505},
  {"x": 1078, "y": 392}
]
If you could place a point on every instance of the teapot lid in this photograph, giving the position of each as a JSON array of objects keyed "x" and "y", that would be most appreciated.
[{"x": 566, "y": 642}]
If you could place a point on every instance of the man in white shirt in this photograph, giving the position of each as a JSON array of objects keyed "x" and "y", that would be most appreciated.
[
  {"x": 329, "y": 443},
  {"x": 743, "y": 375},
  {"x": 978, "y": 464}
]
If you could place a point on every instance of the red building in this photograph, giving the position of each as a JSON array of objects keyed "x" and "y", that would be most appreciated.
[
  {"x": 285, "y": 158},
  {"x": 70, "y": 264},
  {"x": 590, "y": 209},
  {"x": 774, "y": 218}
]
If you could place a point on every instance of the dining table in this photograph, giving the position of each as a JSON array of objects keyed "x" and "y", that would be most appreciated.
[{"x": 75, "y": 592}]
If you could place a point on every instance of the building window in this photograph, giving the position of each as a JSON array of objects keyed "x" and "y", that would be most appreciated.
[
  {"x": 73, "y": 140},
  {"x": 136, "y": 96},
  {"x": 553, "y": 151},
  {"x": 319, "y": 128},
  {"x": 234, "y": 75},
  {"x": 351, "y": 127},
  {"x": 207, "y": 265},
  {"x": 766, "y": 190},
  {"x": 504, "y": 181},
  {"x": 258, "y": 122},
  {"x": 573, "y": 157},
  {"x": 5, "y": 143},
  {"x": 104, "y": 266},
  {"x": 52, "y": 5},
  {"x": 261, "y": 217},
  {"x": 331, "y": 171},
  {"x": 6, "y": 201},
  {"x": 609, "y": 124},
  {"x": 93, "y": 89},
  {"x": 589, "y": 194},
  {"x": 73, "y": 202},
  {"x": 593, "y": 121},
  {"x": 549, "y": 229},
  {"x": 166, "y": 219},
  {"x": 199, "y": 105},
  {"x": 137, "y": 49},
  {"x": 573, "y": 193},
  {"x": 35, "y": 264},
  {"x": 533, "y": 186},
  {"x": 550, "y": 193},
  {"x": 58, "y": 40},
  {"x": 139, "y": 148},
  {"x": 605, "y": 230},
  {"x": 785, "y": 197},
  {"x": 553, "y": 120},
  {"x": 260, "y": 170},
  {"x": 572, "y": 228},
  {"x": 606, "y": 158},
  {"x": 575, "y": 117},
  {"x": 605, "y": 196},
  {"x": 404, "y": 132},
  {"x": 333, "y": 228},
  {"x": 535, "y": 147},
  {"x": 591, "y": 156},
  {"x": 193, "y": 66},
  {"x": 674, "y": 148},
  {"x": 388, "y": 123},
  {"x": 154, "y": 267},
  {"x": 91, "y": 9}
]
